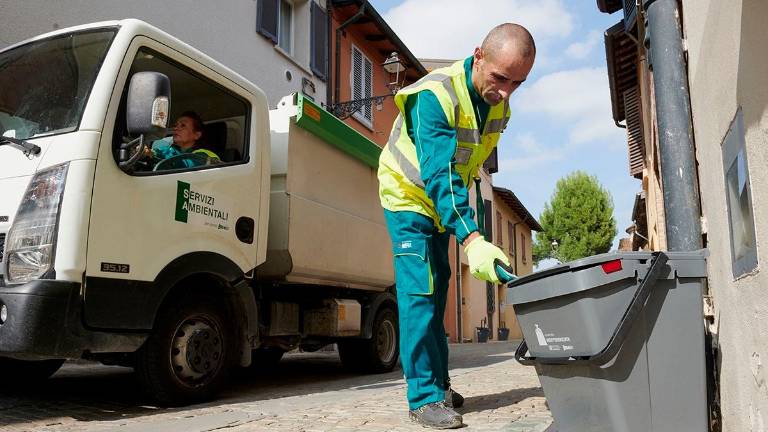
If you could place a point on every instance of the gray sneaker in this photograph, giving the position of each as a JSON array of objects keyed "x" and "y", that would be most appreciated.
[
  {"x": 436, "y": 415},
  {"x": 453, "y": 399}
]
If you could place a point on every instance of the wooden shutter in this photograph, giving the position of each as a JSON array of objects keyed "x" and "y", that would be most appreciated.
[
  {"x": 499, "y": 228},
  {"x": 319, "y": 42},
  {"x": 267, "y": 14},
  {"x": 635, "y": 141},
  {"x": 511, "y": 238},
  {"x": 522, "y": 245},
  {"x": 488, "y": 218},
  {"x": 362, "y": 84}
]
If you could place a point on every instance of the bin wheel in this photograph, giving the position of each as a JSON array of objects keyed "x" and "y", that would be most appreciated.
[
  {"x": 378, "y": 354},
  {"x": 189, "y": 355},
  {"x": 14, "y": 372}
]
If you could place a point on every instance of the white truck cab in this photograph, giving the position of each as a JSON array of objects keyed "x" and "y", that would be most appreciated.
[{"x": 183, "y": 267}]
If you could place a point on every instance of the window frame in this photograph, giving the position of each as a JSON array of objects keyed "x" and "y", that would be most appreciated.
[
  {"x": 359, "y": 114},
  {"x": 168, "y": 57}
]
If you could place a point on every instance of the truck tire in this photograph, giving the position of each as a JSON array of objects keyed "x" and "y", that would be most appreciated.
[
  {"x": 189, "y": 355},
  {"x": 378, "y": 354},
  {"x": 14, "y": 372}
]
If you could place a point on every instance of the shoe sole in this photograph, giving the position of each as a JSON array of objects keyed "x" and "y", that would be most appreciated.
[{"x": 449, "y": 426}]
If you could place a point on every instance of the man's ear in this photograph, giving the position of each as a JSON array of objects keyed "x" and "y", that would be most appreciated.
[
  {"x": 478, "y": 54},
  {"x": 198, "y": 135}
]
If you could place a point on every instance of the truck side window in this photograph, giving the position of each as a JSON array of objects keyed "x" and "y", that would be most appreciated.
[{"x": 208, "y": 124}]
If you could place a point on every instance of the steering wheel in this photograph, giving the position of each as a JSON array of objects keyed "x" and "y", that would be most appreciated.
[{"x": 184, "y": 160}]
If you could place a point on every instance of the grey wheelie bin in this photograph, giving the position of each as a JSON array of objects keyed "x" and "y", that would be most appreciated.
[{"x": 618, "y": 341}]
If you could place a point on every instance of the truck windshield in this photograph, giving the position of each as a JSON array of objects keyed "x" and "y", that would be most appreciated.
[{"x": 44, "y": 84}]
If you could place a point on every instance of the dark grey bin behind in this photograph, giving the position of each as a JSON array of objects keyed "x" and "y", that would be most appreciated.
[{"x": 655, "y": 379}]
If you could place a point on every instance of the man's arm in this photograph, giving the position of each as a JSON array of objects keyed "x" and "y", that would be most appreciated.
[{"x": 435, "y": 143}]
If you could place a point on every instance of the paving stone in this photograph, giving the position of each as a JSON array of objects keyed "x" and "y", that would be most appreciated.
[{"x": 307, "y": 392}]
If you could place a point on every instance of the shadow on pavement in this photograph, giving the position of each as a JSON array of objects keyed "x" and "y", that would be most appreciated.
[
  {"x": 498, "y": 400},
  {"x": 91, "y": 392}
]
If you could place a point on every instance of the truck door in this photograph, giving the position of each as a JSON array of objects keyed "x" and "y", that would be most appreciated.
[{"x": 181, "y": 211}]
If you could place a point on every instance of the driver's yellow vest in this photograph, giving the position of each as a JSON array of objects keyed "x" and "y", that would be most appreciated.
[{"x": 401, "y": 187}]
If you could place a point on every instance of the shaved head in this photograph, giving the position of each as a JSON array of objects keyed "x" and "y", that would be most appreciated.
[
  {"x": 502, "y": 63},
  {"x": 509, "y": 37}
]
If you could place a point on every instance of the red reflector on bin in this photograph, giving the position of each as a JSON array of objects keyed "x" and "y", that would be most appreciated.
[{"x": 612, "y": 266}]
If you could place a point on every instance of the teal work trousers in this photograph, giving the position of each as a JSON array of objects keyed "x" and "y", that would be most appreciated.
[{"x": 422, "y": 272}]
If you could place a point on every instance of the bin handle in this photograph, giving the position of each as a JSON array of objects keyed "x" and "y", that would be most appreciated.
[{"x": 617, "y": 339}]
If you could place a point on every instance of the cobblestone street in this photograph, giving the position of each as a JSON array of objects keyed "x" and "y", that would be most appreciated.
[{"x": 307, "y": 392}]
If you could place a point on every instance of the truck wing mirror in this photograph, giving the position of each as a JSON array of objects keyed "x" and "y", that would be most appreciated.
[{"x": 148, "y": 106}]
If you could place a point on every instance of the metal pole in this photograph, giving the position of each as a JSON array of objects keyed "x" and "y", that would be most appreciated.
[{"x": 673, "y": 114}]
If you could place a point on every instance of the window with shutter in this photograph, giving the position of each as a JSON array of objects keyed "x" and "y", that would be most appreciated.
[
  {"x": 319, "y": 42},
  {"x": 274, "y": 19},
  {"x": 362, "y": 85},
  {"x": 511, "y": 238},
  {"x": 267, "y": 13}
]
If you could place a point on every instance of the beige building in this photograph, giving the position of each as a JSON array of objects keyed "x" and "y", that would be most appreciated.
[
  {"x": 727, "y": 71},
  {"x": 473, "y": 303}
]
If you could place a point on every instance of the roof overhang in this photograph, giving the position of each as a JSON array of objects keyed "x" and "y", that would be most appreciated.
[
  {"x": 378, "y": 33},
  {"x": 517, "y": 206}
]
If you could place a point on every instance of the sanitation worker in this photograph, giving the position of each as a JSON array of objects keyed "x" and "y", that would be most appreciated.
[{"x": 449, "y": 122}]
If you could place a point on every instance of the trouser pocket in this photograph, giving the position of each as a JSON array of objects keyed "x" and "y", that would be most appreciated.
[{"x": 413, "y": 274}]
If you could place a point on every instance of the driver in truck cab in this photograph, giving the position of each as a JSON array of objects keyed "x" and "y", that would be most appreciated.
[{"x": 187, "y": 139}]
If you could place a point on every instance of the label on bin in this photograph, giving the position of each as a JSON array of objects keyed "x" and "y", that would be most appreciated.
[{"x": 550, "y": 340}]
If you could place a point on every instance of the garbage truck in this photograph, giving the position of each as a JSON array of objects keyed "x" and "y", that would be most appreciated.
[{"x": 183, "y": 271}]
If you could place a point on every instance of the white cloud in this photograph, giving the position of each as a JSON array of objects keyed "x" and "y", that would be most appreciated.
[
  {"x": 580, "y": 50},
  {"x": 451, "y": 29},
  {"x": 577, "y": 100},
  {"x": 530, "y": 154}
]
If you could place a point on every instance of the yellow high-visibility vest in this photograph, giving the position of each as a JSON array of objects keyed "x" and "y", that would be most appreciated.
[{"x": 400, "y": 185}]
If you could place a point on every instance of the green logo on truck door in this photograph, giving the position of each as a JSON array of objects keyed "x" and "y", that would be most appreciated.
[{"x": 201, "y": 208}]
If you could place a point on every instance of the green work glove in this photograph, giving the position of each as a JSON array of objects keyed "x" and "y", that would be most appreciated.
[{"x": 481, "y": 256}]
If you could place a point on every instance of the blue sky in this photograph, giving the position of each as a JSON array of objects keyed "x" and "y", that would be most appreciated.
[{"x": 561, "y": 117}]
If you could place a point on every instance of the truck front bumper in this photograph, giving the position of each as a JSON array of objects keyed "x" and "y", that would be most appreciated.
[{"x": 44, "y": 320}]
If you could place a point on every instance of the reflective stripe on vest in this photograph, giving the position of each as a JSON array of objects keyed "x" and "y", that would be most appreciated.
[{"x": 410, "y": 171}]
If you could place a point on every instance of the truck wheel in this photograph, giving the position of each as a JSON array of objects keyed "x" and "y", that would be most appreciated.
[
  {"x": 188, "y": 356},
  {"x": 13, "y": 371},
  {"x": 379, "y": 353}
]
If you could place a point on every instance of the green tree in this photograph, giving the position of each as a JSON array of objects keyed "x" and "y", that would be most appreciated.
[{"x": 579, "y": 217}]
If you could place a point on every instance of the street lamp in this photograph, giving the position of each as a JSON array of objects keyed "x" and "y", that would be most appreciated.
[
  {"x": 394, "y": 66},
  {"x": 555, "y": 245}
]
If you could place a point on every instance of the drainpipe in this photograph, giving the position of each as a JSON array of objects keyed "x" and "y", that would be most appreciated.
[
  {"x": 673, "y": 114},
  {"x": 329, "y": 45},
  {"x": 337, "y": 66}
]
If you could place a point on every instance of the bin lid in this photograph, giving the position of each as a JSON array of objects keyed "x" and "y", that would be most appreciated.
[{"x": 533, "y": 287}]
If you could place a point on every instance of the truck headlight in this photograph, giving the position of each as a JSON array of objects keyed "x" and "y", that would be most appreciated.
[{"x": 31, "y": 243}]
